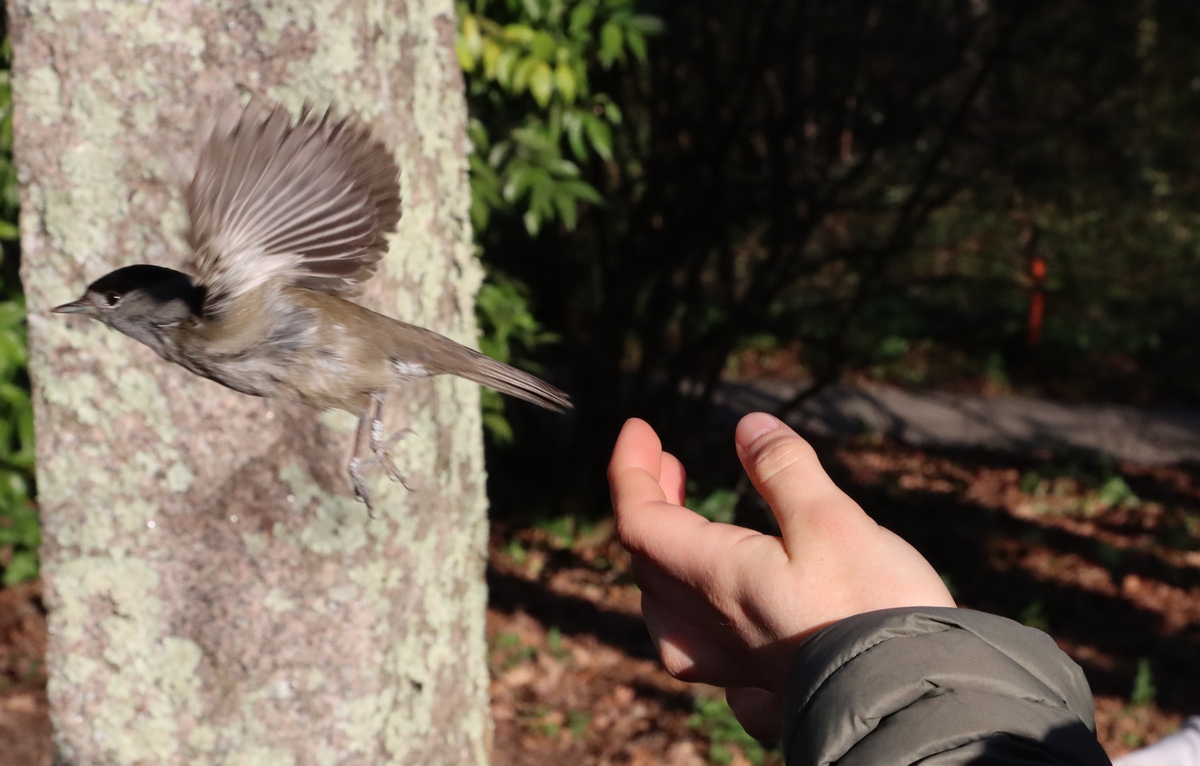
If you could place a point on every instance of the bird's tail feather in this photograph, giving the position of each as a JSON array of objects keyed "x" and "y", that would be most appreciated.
[{"x": 509, "y": 380}]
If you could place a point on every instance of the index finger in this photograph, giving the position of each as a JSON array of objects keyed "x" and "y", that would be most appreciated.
[{"x": 639, "y": 475}]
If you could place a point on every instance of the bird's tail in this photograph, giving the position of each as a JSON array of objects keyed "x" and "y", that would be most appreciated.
[{"x": 509, "y": 380}]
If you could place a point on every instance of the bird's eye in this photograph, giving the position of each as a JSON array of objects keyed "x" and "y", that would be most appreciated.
[{"x": 112, "y": 299}]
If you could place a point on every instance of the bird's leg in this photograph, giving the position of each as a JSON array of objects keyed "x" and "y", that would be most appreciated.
[
  {"x": 382, "y": 448},
  {"x": 356, "y": 466},
  {"x": 370, "y": 427}
]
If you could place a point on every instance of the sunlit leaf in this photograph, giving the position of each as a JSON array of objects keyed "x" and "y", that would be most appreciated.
[
  {"x": 522, "y": 73},
  {"x": 491, "y": 58},
  {"x": 504, "y": 66},
  {"x": 581, "y": 17},
  {"x": 499, "y": 153},
  {"x": 542, "y": 46},
  {"x": 533, "y": 8},
  {"x": 519, "y": 180},
  {"x": 471, "y": 35},
  {"x": 541, "y": 83},
  {"x": 518, "y": 33},
  {"x": 532, "y": 222},
  {"x": 465, "y": 59},
  {"x": 564, "y": 80},
  {"x": 573, "y": 123},
  {"x": 612, "y": 112},
  {"x": 563, "y": 168}
]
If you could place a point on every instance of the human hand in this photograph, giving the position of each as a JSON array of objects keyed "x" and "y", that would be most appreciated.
[{"x": 729, "y": 606}]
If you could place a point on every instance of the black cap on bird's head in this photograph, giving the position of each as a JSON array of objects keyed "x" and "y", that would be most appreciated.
[
  {"x": 139, "y": 301},
  {"x": 143, "y": 284}
]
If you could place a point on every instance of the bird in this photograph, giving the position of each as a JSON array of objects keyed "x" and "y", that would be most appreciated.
[{"x": 287, "y": 219}]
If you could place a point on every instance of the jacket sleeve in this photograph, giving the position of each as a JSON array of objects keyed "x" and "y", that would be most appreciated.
[{"x": 937, "y": 686}]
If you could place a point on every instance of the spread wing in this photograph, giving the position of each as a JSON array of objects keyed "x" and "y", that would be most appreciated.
[{"x": 308, "y": 204}]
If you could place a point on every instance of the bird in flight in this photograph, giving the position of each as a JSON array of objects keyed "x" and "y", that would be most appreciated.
[{"x": 288, "y": 218}]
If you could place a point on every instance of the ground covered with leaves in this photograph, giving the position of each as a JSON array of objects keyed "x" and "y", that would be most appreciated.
[{"x": 1105, "y": 557}]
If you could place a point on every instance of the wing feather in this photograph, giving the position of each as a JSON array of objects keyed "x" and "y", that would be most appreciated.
[{"x": 306, "y": 203}]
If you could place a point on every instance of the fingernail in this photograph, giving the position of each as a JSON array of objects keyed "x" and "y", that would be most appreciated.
[{"x": 753, "y": 426}]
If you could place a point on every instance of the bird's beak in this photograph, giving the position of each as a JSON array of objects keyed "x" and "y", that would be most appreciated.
[{"x": 74, "y": 307}]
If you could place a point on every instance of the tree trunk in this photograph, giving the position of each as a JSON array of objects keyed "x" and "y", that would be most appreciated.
[{"x": 216, "y": 594}]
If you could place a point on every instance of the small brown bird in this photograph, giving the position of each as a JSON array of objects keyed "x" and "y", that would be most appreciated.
[{"x": 287, "y": 220}]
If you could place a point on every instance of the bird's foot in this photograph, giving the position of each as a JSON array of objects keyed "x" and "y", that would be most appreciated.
[
  {"x": 383, "y": 454},
  {"x": 359, "y": 482},
  {"x": 381, "y": 457}
]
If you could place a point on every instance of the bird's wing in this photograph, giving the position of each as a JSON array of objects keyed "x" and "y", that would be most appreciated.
[{"x": 307, "y": 204}]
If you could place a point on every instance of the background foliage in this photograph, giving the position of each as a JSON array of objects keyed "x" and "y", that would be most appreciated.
[
  {"x": 862, "y": 187},
  {"x": 537, "y": 122},
  {"x": 19, "y": 535}
]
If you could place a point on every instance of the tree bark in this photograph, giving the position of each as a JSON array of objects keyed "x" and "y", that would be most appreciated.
[{"x": 216, "y": 594}]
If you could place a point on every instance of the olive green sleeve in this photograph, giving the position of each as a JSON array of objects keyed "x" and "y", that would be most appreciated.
[{"x": 937, "y": 686}]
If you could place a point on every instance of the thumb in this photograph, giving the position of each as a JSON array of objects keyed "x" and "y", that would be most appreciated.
[{"x": 785, "y": 470}]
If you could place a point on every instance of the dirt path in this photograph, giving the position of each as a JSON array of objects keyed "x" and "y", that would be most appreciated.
[{"x": 1002, "y": 424}]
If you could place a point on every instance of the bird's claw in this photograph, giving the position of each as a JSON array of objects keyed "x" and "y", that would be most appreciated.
[
  {"x": 381, "y": 457},
  {"x": 359, "y": 483}
]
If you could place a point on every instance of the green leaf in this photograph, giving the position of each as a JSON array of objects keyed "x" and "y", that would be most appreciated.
[
  {"x": 562, "y": 168},
  {"x": 581, "y": 17},
  {"x": 471, "y": 36},
  {"x": 637, "y": 45},
  {"x": 645, "y": 24},
  {"x": 496, "y": 424},
  {"x": 485, "y": 193},
  {"x": 532, "y": 223},
  {"x": 522, "y": 73},
  {"x": 520, "y": 179},
  {"x": 719, "y": 506},
  {"x": 612, "y": 112},
  {"x": 541, "y": 83},
  {"x": 477, "y": 132},
  {"x": 504, "y": 66},
  {"x": 611, "y": 44},
  {"x": 564, "y": 79},
  {"x": 1144, "y": 688},
  {"x": 583, "y": 191},
  {"x": 541, "y": 197},
  {"x": 481, "y": 213},
  {"x": 573, "y": 122},
  {"x": 535, "y": 139},
  {"x": 499, "y": 154},
  {"x": 518, "y": 33},
  {"x": 465, "y": 59},
  {"x": 568, "y": 211},
  {"x": 599, "y": 134},
  {"x": 491, "y": 58},
  {"x": 533, "y": 8},
  {"x": 23, "y": 567},
  {"x": 542, "y": 46}
]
